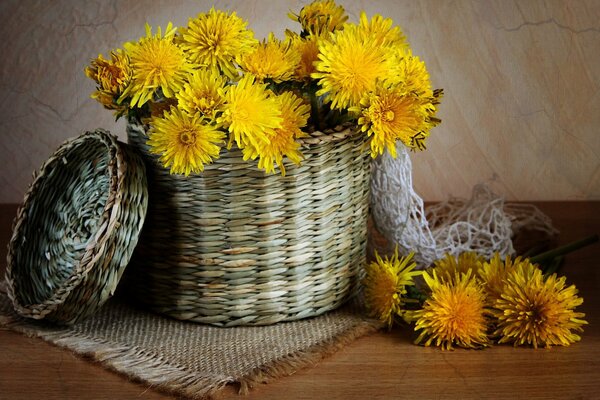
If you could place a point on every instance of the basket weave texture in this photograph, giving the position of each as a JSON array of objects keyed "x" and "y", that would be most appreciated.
[
  {"x": 77, "y": 228},
  {"x": 235, "y": 246}
]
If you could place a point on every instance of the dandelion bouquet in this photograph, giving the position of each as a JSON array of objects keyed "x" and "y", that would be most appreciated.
[
  {"x": 211, "y": 85},
  {"x": 471, "y": 302},
  {"x": 228, "y": 243}
]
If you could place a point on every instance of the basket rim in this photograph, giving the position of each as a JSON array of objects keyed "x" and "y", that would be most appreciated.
[{"x": 116, "y": 173}]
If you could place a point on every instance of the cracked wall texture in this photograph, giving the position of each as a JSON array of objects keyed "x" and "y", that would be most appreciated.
[{"x": 521, "y": 110}]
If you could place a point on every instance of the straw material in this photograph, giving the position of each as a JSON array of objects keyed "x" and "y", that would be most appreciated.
[
  {"x": 195, "y": 360},
  {"x": 234, "y": 246},
  {"x": 76, "y": 230}
]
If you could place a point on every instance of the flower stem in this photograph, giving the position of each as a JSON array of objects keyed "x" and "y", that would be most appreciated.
[
  {"x": 562, "y": 250},
  {"x": 553, "y": 266},
  {"x": 314, "y": 108},
  {"x": 535, "y": 250},
  {"x": 314, "y": 111},
  {"x": 415, "y": 295}
]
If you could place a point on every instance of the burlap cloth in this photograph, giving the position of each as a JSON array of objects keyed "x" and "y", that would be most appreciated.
[{"x": 195, "y": 360}]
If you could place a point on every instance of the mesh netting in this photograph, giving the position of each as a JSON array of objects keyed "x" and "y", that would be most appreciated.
[{"x": 485, "y": 223}]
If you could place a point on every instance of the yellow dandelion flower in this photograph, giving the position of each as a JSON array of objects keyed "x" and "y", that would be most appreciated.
[
  {"x": 448, "y": 267},
  {"x": 273, "y": 59},
  {"x": 411, "y": 74},
  {"x": 295, "y": 112},
  {"x": 295, "y": 115},
  {"x": 202, "y": 93},
  {"x": 216, "y": 40},
  {"x": 454, "y": 314},
  {"x": 385, "y": 286},
  {"x": 185, "y": 142},
  {"x": 537, "y": 311},
  {"x": 159, "y": 67},
  {"x": 112, "y": 77},
  {"x": 383, "y": 31},
  {"x": 350, "y": 65},
  {"x": 388, "y": 115},
  {"x": 493, "y": 274},
  {"x": 250, "y": 113},
  {"x": 308, "y": 49},
  {"x": 321, "y": 16}
]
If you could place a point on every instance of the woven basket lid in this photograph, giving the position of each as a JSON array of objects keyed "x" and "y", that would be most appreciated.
[{"x": 77, "y": 228}]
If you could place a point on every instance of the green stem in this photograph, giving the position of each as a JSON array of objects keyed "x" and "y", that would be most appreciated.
[
  {"x": 314, "y": 109},
  {"x": 535, "y": 250},
  {"x": 415, "y": 294},
  {"x": 562, "y": 250},
  {"x": 553, "y": 266}
]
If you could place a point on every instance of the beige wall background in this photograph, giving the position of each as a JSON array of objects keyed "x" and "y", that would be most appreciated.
[{"x": 522, "y": 79}]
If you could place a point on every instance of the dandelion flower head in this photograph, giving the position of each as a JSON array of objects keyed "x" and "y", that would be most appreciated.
[
  {"x": 294, "y": 113},
  {"x": 273, "y": 59},
  {"x": 536, "y": 310},
  {"x": 493, "y": 273},
  {"x": 321, "y": 16},
  {"x": 202, "y": 93},
  {"x": 111, "y": 77},
  {"x": 411, "y": 74},
  {"x": 448, "y": 267},
  {"x": 385, "y": 285},
  {"x": 388, "y": 115},
  {"x": 383, "y": 31},
  {"x": 308, "y": 49},
  {"x": 217, "y": 40},
  {"x": 454, "y": 314},
  {"x": 185, "y": 142},
  {"x": 159, "y": 66},
  {"x": 250, "y": 112},
  {"x": 349, "y": 66}
]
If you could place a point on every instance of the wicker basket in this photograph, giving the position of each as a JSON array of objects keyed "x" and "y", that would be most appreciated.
[
  {"x": 234, "y": 246},
  {"x": 76, "y": 230}
]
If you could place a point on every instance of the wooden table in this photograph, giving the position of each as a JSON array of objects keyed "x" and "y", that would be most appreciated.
[{"x": 383, "y": 365}]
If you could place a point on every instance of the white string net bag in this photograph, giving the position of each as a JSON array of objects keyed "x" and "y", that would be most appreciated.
[{"x": 484, "y": 224}]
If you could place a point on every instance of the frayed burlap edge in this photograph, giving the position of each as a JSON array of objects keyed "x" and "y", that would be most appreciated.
[
  {"x": 159, "y": 374},
  {"x": 132, "y": 362},
  {"x": 291, "y": 363}
]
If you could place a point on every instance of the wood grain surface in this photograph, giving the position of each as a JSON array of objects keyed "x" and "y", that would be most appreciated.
[
  {"x": 384, "y": 365},
  {"x": 521, "y": 81}
]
